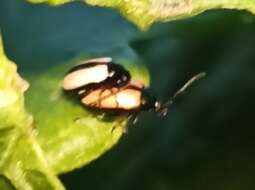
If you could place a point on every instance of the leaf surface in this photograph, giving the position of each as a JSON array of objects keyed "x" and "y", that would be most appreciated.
[
  {"x": 22, "y": 163},
  {"x": 146, "y": 12}
]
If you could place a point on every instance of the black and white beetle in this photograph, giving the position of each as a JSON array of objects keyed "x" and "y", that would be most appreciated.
[
  {"x": 94, "y": 74},
  {"x": 103, "y": 85}
]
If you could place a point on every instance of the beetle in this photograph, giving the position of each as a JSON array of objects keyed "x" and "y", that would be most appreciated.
[
  {"x": 126, "y": 98},
  {"x": 105, "y": 86},
  {"x": 131, "y": 98},
  {"x": 93, "y": 74}
]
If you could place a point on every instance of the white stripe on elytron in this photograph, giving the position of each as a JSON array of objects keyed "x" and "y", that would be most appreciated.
[{"x": 85, "y": 76}]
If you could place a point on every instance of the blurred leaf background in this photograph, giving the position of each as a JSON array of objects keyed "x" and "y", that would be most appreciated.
[{"x": 207, "y": 139}]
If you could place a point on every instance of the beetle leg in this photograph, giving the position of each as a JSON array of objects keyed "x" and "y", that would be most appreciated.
[
  {"x": 115, "y": 97},
  {"x": 100, "y": 96},
  {"x": 130, "y": 120},
  {"x": 120, "y": 123},
  {"x": 101, "y": 116}
]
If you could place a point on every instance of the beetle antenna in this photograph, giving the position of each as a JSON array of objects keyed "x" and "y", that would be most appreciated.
[
  {"x": 187, "y": 84},
  {"x": 165, "y": 106}
]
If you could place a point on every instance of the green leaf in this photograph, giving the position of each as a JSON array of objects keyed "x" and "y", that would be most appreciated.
[
  {"x": 5, "y": 183},
  {"x": 70, "y": 135},
  {"x": 146, "y": 12},
  {"x": 22, "y": 163}
]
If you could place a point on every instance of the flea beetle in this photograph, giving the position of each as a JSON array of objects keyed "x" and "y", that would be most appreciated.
[
  {"x": 131, "y": 98},
  {"x": 94, "y": 74},
  {"x": 103, "y": 85}
]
